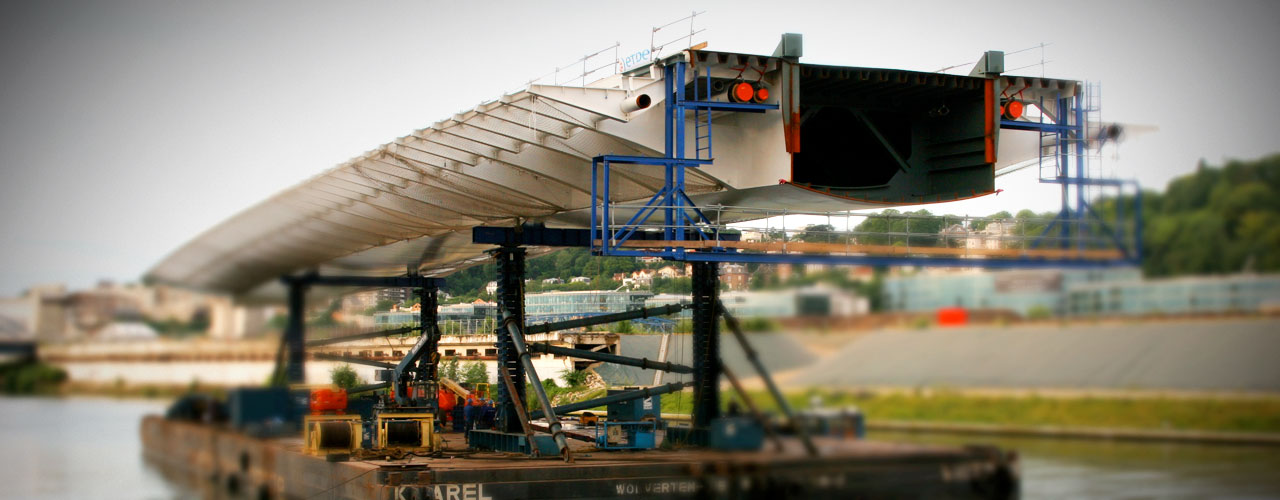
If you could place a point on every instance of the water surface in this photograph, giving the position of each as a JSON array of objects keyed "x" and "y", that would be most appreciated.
[{"x": 75, "y": 448}]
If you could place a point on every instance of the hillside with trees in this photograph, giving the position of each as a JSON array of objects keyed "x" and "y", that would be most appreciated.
[{"x": 1218, "y": 219}]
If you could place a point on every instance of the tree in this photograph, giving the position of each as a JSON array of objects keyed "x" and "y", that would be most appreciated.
[
  {"x": 575, "y": 378},
  {"x": 449, "y": 369},
  {"x": 345, "y": 376},
  {"x": 981, "y": 224},
  {"x": 821, "y": 233},
  {"x": 475, "y": 373}
]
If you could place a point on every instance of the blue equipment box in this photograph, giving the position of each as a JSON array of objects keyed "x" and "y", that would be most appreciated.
[{"x": 736, "y": 433}]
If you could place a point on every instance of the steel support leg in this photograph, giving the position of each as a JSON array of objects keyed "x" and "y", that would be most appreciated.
[
  {"x": 419, "y": 365},
  {"x": 706, "y": 344},
  {"x": 517, "y": 339},
  {"x": 429, "y": 324},
  {"x": 295, "y": 334},
  {"x": 510, "y": 263}
]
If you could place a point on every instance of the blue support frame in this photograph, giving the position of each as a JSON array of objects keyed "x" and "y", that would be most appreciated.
[
  {"x": 681, "y": 218},
  {"x": 1070, "y": 130},
  {"x": 671, "y": 199}
]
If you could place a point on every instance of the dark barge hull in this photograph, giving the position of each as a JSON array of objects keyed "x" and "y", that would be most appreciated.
[{"x": 221, "y": 463}]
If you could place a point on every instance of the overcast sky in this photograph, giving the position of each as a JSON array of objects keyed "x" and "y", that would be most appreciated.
[{"x": 127, "y": 128}]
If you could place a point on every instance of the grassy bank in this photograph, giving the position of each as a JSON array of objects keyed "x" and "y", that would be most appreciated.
[
  {"x": 1236, "y": 414},
  {"x": 30, "y": 377}
]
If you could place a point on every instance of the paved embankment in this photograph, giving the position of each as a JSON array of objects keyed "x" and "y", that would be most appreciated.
[
  {"x": 780, "y": 352},
  {"x": 1206, "y": 355},
  {"x": 1203, "y": 355}
]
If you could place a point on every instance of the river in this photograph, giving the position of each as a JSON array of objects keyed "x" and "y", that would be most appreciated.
[
  {"x": 74, "y": 448},
  {"x": 1077, "y": 468}
]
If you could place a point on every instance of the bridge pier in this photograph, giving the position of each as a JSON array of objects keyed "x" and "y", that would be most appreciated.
[{"x": 510, "y": 260}]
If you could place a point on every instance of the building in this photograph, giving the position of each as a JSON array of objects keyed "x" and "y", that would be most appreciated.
[
  {"x": 992, "y": 237},
  {"x": 669, "y": 272},
  {"x": 734, "y": 276},
  {"x": 400, "y": 295},
  {"x": 1022, "y": 291},
  {"x": 468, "y": 312},
  {"x": 580, "y": 279},
  {"x": 491, "y": 288},
  {"x": 477, "y": 309},
  {"x": 1240, "y": 293},
  {"x": 582, "y": 303},
  {"x": 553, "y": 281},
  {"x": 813, "y": 301},
  {"x": 643, "y": 277},
  {"x": 359, "y": 302},
  {"x": 52, "y": 313}
]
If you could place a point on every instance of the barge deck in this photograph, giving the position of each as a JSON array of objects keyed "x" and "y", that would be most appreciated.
[{"x": 222, "y": 463}]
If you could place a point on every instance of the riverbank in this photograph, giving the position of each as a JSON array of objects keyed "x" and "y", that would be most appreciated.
[{"x": 1230, "y": 418}]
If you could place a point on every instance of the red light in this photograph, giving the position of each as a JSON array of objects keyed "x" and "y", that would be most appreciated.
[
  {"x": 762, "y": 95},
  {"x": 1012, "y": 110},
  {"x": 742, "y": 92}
]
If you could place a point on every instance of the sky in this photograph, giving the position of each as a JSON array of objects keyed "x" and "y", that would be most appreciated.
[{"x": 127, "y": 128}]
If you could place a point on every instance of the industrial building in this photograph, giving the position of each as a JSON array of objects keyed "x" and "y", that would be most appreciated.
[
  {"x": 1067, "y": 292},
  {"x": 801, "y": 302},
  {"x": 1231, "y": 294}
]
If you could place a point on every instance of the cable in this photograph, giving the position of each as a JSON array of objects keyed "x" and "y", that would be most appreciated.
[{"x": 357, "y": 476}]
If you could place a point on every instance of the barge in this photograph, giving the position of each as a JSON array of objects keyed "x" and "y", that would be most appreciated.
[{"x": 222, "y": 463}]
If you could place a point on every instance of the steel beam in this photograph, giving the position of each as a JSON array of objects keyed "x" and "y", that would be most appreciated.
[
  {"x": 754, "y": 358},
  {"x": 353, "y": 359},
  {"x": 512, "y": 325},
  {"x": 706, "y": 344},
  {"x": 419, "y": 363},
  {"x": 616, "y": 398},
  {"x": 605, "y": 318},
  {"x": 366, "y": 281},
  {"x": 751, "y": 406},
  {"x": 295, "y": 333},
  {"x": 510, "y": 298},
  {"x": 360, "y": 336},
  {"x": 520, "y": 411},
  {"x": 610, "y": 358},
  {"x": 368, "y": 387}
]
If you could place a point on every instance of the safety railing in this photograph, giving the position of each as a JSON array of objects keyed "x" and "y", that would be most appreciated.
[{"x": 745, "y": 230}]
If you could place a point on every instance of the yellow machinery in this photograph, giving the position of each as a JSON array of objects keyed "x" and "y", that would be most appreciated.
[
  {"x": 481, "y": 391},
  {"x": 325, "y": 434},
  {"x": 328, "y": 429},
  {"x": 410, "y": 431}
]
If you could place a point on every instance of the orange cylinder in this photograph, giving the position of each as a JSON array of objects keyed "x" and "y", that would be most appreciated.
[
  {"x": 446, "y": 400},
  {"x": 323, "y": 400}
]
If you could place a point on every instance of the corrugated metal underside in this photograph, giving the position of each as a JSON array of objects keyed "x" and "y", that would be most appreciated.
[{"x": 410, "y": 204}]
